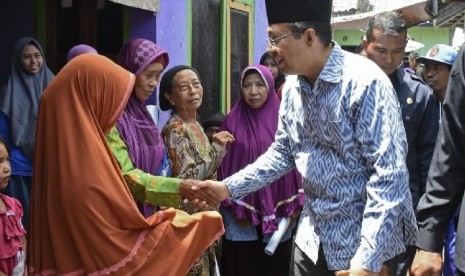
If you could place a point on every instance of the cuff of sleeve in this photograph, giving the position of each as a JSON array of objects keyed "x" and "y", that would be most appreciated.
[
  {"x": 429, "y": 241},
  {"x": 229, "y": 184},
  {"x": 368, "y": 259}
]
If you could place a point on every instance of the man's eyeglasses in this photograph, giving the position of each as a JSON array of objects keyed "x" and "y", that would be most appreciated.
[{"x": 272, "y": 41}]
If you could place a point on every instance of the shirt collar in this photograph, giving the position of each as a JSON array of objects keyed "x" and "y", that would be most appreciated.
[{"x": 332, "y": 71}]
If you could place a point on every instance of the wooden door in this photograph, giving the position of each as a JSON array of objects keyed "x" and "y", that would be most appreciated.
[{"x": 97, "y": 23}]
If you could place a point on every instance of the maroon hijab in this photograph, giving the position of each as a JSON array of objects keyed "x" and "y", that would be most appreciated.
[
  {"x": 254, "y": 130},
  {"x": 135, "y": 125}
]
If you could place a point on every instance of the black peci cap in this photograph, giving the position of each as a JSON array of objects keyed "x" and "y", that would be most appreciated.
[{"x": 289, "y": 11}]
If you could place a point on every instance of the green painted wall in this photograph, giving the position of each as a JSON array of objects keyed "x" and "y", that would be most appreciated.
[
  {"x": 348, "y": 37},
  {"x": 429, "y": 36},
  {"x": 246, "y": 2},
  {"x": 40, "y": 7}
]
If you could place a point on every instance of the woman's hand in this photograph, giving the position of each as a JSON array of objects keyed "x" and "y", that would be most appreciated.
[{"x": 223, "y": 137}]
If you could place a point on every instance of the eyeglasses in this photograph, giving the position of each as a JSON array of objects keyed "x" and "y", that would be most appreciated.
[{"x": 272, "y": 41}]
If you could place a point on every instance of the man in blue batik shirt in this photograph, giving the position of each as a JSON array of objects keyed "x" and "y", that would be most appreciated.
[{"x": 340, "y": 125}]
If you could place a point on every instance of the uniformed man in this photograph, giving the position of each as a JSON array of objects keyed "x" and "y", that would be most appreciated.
[{"x": 386, "y": 38}]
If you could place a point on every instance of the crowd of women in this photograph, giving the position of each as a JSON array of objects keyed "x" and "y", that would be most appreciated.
[{"x": 93, "y": 186}]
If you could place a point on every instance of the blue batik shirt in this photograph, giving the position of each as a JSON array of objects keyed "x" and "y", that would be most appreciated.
[{"x": 345, "y": 136}]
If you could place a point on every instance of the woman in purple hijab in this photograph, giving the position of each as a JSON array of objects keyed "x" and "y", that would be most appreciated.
[
  {"x": 251, "y": 222},
  {"x": 79, "y": 50},
  {"x": 136, "y": 136}
]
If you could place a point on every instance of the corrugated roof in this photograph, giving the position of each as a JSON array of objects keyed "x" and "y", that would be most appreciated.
[
  {"x": 344, "y": 5},
  {"x": 353, "y": 14},
  {"x": 413, "y": 10}
]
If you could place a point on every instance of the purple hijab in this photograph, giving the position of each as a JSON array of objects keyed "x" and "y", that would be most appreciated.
[
  {"x": 79, "y": 50},
  {"x": 136, "y": 126},
  {"x": 254, "y": 130}
]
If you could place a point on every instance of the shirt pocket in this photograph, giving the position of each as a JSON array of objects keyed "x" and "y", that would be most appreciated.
[{"x": 331, "y": 128}]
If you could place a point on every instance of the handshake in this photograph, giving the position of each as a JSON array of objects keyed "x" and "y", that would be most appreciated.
[{"x": 202, "y": 194}]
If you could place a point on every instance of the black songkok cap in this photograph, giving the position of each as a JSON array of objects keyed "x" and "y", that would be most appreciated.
[{"x": 289, "y": 11}]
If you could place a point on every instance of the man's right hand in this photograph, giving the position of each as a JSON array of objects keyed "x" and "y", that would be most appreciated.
[
  {"x": 202, "y": 194},
  {"x": 426, "y": 263},
  {"x": 217, "y": 189}
]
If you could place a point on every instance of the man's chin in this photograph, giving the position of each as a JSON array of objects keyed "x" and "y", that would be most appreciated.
[
  {"x": 389, "y": 71},
  {"x": 287, "y": 71},
  {"x": 432, "y": 85}
]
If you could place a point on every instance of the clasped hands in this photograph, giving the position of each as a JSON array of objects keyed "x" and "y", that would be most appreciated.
[{"x": 202, "y": 194}]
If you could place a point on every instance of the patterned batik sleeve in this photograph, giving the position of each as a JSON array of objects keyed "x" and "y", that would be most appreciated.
[
  {"x": 382, "y": 141},
  {"x": 156, "y": 190}
]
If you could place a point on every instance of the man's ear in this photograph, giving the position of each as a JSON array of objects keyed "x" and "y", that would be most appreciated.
[
  {"x": 365, "y": 44},
  {"x": 310, "y": 36}
]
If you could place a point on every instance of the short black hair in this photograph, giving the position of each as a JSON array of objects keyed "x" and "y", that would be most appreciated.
[
  {"x": 322, "y": 30},
  {"x": 390, "y": 23}
]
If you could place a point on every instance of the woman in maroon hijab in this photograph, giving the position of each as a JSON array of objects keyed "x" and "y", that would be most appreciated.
[
  {"x": 135, "y": 140},
  {"x": 251, "y": 221}
]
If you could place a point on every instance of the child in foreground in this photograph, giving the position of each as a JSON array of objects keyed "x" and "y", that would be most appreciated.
[{"x": 12, "y": 233}]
